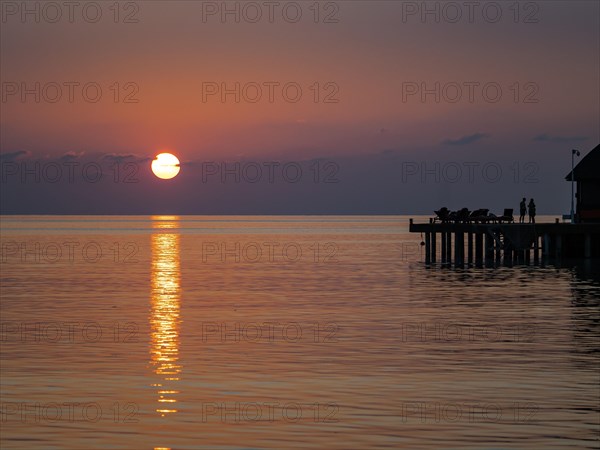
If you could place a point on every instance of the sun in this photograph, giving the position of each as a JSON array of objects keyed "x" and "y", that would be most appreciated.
[{"x": 165, "y": 166}]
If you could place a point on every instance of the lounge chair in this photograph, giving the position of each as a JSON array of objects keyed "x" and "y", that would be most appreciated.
[
  {"x": 442, "y": 215},
  {"x": 479, "y": 216},
  {"x": 491, "y": 218},
  {"x": 462, "y": 216},
  {"x": 507, "y": 216}
]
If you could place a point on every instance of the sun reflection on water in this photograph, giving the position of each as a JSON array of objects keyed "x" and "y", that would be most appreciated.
[{"x": 165, "y": 311}]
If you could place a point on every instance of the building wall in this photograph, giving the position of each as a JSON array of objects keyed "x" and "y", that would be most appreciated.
[{"x": 588, "y": 202}]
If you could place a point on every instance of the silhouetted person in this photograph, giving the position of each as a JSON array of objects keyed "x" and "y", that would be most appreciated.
[
  {"x": 523, "y": 210},
  {"x": 531, "y": 211}
]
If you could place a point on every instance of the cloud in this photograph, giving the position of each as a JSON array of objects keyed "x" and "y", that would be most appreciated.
[
  {"x": 12, "y": 156},
  {"x": 69, "y": 156},
  {"x": 119, "y": 158},
  {"x": 559, "y": 139},
  {"x": 466, "y": 140}
]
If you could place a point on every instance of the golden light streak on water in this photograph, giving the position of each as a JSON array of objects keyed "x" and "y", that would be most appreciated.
[{"x": 165, "y": 307}]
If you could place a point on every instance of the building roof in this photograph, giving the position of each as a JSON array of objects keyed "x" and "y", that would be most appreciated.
[{"x": 588, "y": 168}]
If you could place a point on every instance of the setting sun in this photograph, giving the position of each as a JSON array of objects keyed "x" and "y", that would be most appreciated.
[{"x": 165, "y": 166}]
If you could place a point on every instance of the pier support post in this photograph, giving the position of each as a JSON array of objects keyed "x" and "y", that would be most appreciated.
[
  {"x": 449, "y": 249},
  {"x": 427, "y": 248},
  {"x": 433, "y": 247},
  {"x": 478, "y": 248},
  {"x": 470, "y": 247},
  {"x": 459, "y": 249},
  {"x": 489, "y": 247},
  {"x": 536, "y": 250},
  {"x": 587, "y": 251},
  {"x": 508, "y": 254},
  {"x": 444, "y": 248},
  {"x": 558, "y": 246},
  {"x": 498, "y": 250},
  {"x": 546, "y": 246},
  {"x": 507, "y": 250}
]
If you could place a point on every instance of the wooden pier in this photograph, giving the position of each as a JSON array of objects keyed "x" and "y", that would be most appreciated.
[{"x": 508, "y": 243}]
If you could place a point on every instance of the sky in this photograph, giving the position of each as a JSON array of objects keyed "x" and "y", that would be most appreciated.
[{"x": 348, "y": 107}]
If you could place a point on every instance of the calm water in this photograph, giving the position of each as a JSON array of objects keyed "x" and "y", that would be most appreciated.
[{"x": 285, "y": 332}]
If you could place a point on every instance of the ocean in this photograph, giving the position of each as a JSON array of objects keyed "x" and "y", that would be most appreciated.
[{"x": 285, "y": 332}]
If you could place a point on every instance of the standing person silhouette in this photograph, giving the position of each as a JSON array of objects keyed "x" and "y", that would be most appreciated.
[
  {"x": 531, "y": 211},
  {"x": 523, "y": 210}
]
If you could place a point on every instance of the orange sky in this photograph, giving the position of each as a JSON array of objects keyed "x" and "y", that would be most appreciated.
[{"x": 367, "y": 55}]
